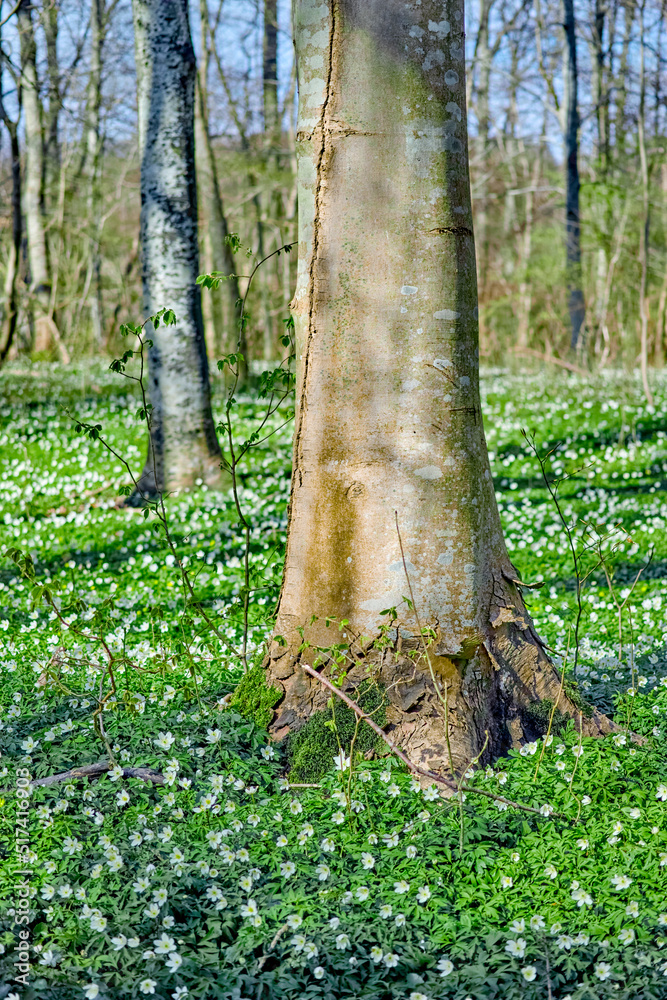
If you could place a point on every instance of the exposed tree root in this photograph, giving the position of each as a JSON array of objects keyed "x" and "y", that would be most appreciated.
[
  {"x": 449, "y": 783},
  {"x": 492, "y": 685}
]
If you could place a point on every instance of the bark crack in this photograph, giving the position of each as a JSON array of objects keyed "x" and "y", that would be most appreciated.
[
  {"x": 333, "y": 128},
  {"x": 456, "y": 230},
  {"x": 325, "y": 133}
]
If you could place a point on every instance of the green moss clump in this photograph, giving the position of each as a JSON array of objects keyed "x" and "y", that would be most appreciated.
[
  {"x": 537, "y": 715},
  {"x": 254, "y": 698},
  {"x": 312, "y": 749},
  {"x": 573, "y": 692}
]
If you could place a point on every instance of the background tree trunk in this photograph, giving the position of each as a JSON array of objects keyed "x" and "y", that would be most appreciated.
[
  {"x": 270, "y": 204},
  {"x": 621, "y": 116},
  {"x": 94, "y": 162},
  {"x": 33, "y": 191},
  {"x": 270, "y": 72},
  {"x": 10, "y": 305},
  {"x": 646, "y": 215},
  {"x": 576, "y": 304},
  {"x": 481, "y": 91},
  {"x": 524, "y": 304},
  {"x": 222, "y": 258},
  {"x": 49, "y": 19},
  {"x": 388, "y": 409},
  {"x": 600, "y": 90},
  {"x": 183, "y": 448},
  {"x": 212, "y": 306}
]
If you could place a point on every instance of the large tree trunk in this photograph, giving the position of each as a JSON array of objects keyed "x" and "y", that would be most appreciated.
[
  {"x": 576, "y": 304},
  {"x": 183, "y": 447},
  {"x": 388, "y": 408},
  {"x": 33, "y": 193}
]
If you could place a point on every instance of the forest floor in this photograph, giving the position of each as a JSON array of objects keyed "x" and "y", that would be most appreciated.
[{"x": 225, "y": 882}]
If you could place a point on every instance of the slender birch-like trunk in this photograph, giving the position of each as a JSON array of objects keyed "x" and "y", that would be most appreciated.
[
  {"x": 33, "y": 191},
  {"x": 183, "y": 447},
  {"x": 388, "y": 421},
  {"x": 576, "y": 304}
]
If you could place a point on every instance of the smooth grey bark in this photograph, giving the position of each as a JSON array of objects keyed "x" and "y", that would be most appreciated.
[
  {"x": 33, "y": 191},
  {"x": 388, "y": 421},
  {"x": 576, "y": 304},
  {"x": 183, "y": 448}
]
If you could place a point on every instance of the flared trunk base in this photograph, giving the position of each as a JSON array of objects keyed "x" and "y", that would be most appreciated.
[{"x": 504, "y": 686}]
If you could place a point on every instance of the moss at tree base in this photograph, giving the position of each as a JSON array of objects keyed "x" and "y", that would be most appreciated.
[
  {"x": 573, "y": 692},
  {"x": 536, "y": 715},
  {"x": 312, "y": 749},
  {"x": 254, "y": 698}
]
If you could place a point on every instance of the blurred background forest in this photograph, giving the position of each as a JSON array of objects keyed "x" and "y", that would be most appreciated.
[{"x": 564, "y": 98}]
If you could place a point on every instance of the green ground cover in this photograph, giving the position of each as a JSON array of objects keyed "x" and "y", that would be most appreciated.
[{"x": 226, "y": 882}]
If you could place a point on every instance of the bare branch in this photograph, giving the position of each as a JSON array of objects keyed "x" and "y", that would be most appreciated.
[{"x": 101, "y": 767}]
